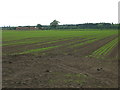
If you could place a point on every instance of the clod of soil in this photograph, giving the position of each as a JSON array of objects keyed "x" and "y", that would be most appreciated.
[
  {"x": 10, "y": 62},
  {"x": 47, "y": 71},
  {"x": 86, "y": 74},
  {"x": 99, "y": 69}
]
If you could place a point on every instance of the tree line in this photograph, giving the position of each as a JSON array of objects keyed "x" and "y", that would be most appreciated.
[{"x": 55, "y": 25}]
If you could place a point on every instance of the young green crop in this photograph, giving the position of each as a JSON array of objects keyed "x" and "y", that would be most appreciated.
[
  {"x": 9, "y": 35},
  {"x": 47, "y": 48},
  {"x": 84, "y": 41},
  {"x": 101, "y": 52},
  {"x": 37, "y": 50},
  {"x": 22, "y": 37},
  {"x": 19, "y": 38},
  {"x": 92, "y": 39}
]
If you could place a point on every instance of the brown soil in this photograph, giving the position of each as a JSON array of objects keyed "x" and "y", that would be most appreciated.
[
  {"x": 61, "y": 67},
  {"x": 20, "y": 48},
  {"x": 83, "y": 50},
  {"x": 114, "y": 52}
]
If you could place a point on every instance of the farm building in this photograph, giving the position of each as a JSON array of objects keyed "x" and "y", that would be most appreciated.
[{"x": 27, "y": 28}]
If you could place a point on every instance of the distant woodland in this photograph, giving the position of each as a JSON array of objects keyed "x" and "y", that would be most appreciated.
[{"x": 56, "y": 26}]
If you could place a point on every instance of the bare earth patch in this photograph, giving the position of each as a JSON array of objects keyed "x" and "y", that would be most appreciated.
[{"x": 61, "y": 67}]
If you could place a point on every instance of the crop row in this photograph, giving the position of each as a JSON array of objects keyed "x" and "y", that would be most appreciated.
[
  {"x": 104, "y": 50},
  {"x": 51, "y": 47},
  {"x": 33, "y": 37},
  {"x": 9, "y": 35},
  {"x": 88, "y": 39},
  {"x": 97, "y": 37},
  {"x": 46, "y": 40}
]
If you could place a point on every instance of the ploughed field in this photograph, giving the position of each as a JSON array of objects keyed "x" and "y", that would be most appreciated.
[{"x": 61, "y": 59}]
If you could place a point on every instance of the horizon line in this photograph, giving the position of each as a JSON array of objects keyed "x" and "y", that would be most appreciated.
[{"x": 59, "y": 24}]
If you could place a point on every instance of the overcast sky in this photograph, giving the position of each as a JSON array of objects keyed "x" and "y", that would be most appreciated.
[{"x": 32, "y": 12}]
